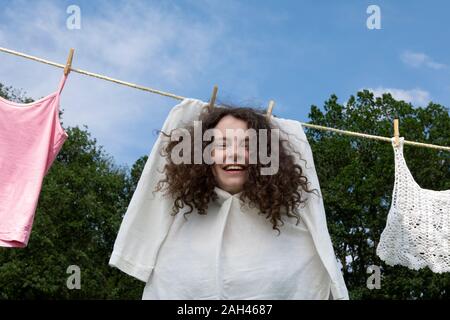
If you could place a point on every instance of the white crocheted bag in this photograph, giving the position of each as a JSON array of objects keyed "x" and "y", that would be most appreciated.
[{"x": 417, "y": 232}]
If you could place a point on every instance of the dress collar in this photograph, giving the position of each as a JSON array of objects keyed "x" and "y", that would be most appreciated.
[{"x": 225, "y": 195}]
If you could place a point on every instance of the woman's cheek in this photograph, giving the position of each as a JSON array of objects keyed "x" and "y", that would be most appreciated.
[{"x": 218, "y": 156}]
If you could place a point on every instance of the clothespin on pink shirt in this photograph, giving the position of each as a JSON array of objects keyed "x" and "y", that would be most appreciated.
[
  {"x": 69, "y": 62},
  {"x": 269, "y": 109},
  {"x": 212, "y": 101},
  {"x": 396, "y": 133}
]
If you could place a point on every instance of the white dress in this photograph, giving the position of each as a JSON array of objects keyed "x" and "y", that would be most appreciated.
[
  {"x": 232, "y": 252},
  {"x": 417, "y": 232}
]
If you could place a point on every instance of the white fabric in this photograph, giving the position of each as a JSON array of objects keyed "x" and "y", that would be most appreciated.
[
  {"x": 417, "y": 232},
  {"x": 314, "y": 213},
  {"x": 232, "y": 252}
]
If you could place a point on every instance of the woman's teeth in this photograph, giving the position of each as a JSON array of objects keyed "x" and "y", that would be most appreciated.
[{"x": 233, "y": 167}]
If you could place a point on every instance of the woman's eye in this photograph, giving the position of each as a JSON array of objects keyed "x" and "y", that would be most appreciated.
[{"x": 245, "y": 145}]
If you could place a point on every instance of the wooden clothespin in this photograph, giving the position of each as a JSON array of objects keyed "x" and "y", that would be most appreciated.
[
  {"x": 396, "y": 133},
  {"x": 69, "y": 62},
  {"x": 212, "y": 101},
  {"x": 269, "y": 109}
]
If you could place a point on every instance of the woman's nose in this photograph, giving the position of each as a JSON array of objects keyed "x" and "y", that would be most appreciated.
[{"x": 233, "y": 152}]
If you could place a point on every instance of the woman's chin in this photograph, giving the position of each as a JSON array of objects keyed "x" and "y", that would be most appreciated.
[{"x": 233, "y": 187}]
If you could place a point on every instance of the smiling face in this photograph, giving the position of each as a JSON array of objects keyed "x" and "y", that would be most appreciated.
[{"x": 230, "y": 170}]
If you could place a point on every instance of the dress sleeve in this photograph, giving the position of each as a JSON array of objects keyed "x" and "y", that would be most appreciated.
[
  {"x": 313, "y": 213},
  {"x": 316, "y": 221},
  {"x": 147, "y": 220}
]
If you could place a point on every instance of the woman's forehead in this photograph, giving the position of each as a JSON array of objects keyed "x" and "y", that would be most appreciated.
[{"x": 230, "y": 122}]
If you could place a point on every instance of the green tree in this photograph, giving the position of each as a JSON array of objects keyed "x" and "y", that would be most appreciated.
[
  {"x": 85, "y": 195},
  {"x": 81, "y": 205},
  {"x": 357, "y": 177}
]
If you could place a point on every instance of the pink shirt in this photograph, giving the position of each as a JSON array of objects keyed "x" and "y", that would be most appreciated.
[{"x": 31, "y": 136}]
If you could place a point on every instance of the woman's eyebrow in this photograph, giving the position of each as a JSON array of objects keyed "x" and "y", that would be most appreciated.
[{"x": 229, "y": 139}]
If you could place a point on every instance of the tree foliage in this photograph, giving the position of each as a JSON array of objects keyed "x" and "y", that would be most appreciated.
[
  {"x": 357, "y": 178},
  {"x": 85, "y": 195}
]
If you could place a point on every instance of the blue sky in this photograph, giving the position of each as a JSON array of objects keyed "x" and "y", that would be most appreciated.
[{"x": 294, "y": 52}]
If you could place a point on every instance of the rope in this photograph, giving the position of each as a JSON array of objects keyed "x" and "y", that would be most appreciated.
[
  {"x": 91, "y": 74},
  {"x": 174, "y": 96},
  {"x": 369, "y": 136}
]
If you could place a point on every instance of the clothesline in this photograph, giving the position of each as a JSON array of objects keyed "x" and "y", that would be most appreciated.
[
  {"x": 177, "y": 97},
  {"x": 91, "y": 74}
]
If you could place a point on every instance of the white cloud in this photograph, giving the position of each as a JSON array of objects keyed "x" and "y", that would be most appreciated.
[
  {"x": 418, "y": 59},
  {"x": 158, "y": 44},
  {"x": 414, "y": 96},
  {"x": 146, "y": 43}
]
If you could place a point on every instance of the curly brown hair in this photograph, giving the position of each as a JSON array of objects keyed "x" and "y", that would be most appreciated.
[{"x": 192, "y": 185}]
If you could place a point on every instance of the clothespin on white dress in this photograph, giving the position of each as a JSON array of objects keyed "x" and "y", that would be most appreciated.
[
  {"x": 269, "y": 109},
  {"x": 69, "y": 62},
  {"x": 396, "y": 133},
  {"x": 212, "y": 101}
]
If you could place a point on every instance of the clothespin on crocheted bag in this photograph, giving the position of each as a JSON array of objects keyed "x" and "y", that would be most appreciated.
[
  {"x": 69, "y": 62},
  {"x": 396, "y": 133},
  {"x": 269, "y": 109},
  {"x": 212, "y": 101}
]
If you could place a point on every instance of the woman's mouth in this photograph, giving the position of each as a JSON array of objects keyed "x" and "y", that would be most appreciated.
[{"x": 234, "y": 168}]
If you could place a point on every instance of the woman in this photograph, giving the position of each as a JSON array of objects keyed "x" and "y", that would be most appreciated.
[
  {"x": 221, "y": 227},
  {"x": 194, "y": 185}
]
